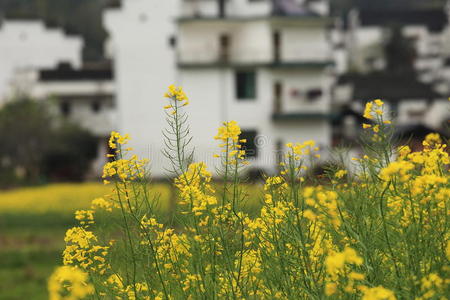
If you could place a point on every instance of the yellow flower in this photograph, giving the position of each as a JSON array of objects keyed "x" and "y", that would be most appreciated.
[
  {"x": 330, "y": 288},
  {"x": 85, "y": 217},
  {"x": 229, "y": 135},
  {"x": 310, "y": 215},
  {"x": 378, "y": 102},
  {"x": 368, "y": 111},
  {"x": 117, "y": 139},
  {"x": 229, "y": 130},
  {"x": 341, "y": 173},
  {"x": 69, "y": 283},
  {"x": 176, "y": 94},
  {"x": 378, "y": 293},
  {"x": 101, "y": 203},
  {"x": 356, "y": 276}
]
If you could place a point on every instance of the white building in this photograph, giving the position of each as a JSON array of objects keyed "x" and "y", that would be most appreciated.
[
  {"x": 80, "y": 96},
  {"x": 30, "y": 45},
  {"x": 416, "y": 96},
  {"x": 260, "y": 63}
]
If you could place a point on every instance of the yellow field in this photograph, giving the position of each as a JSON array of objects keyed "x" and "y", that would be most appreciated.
[{"x": 60, "y": 198}]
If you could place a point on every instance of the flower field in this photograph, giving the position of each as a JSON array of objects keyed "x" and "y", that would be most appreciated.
[
  {"x": 377, "y": 231},
  {"x": 33, "y": 222},
  {"x": 58, "y": 198}
]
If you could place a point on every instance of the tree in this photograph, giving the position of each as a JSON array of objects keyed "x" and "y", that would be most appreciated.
[
  {"x": 36, "y": 145},
  {"x": 70, "y": 154},
  {"x": 25, "y": 131}
]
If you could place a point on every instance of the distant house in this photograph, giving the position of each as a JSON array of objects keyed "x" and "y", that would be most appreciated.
[
  {"x": 264, "y": 64},
  {"x": 413, "y": 135},
  {"x": 84, "y": 96},
  {"x": 30, "y": 45},
  {"x": 398, "y": 55}
]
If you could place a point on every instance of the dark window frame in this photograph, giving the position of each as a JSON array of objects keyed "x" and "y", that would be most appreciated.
[
  {"x": 246, "y": 85},
  {"x": 250, "y": 146},
  {"x": 65, "y": 108}
]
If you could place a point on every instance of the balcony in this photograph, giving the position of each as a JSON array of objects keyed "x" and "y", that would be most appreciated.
[
  {"x": 212, "y": 57},
  {"x": 309, "y": 105},
  {"x": 209, "y": 9},
  {"x": 301, "y": 116}
]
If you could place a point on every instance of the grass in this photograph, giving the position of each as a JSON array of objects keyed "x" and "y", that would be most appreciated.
[
  {"x": 29, "y": 255},
  {"x": 33, "y": 222}
]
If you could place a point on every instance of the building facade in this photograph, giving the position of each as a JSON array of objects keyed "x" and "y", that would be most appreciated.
[
  {"x": 30, "y": 45},
  {"x": 263, "y": 64},
  {"x": 84, "y": 96},
  {"x": 400, "y": 55}
]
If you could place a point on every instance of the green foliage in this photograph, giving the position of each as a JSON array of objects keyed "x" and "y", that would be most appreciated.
[
  {"x": 376, "y": 231},
  {"x": 70, "y": 153},
  {"x": 35, "y": 146},
  {"x": 24, "y": 129}
]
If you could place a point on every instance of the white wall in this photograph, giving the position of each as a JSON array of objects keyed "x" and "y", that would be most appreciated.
[
  {"x": 302, "y": 81},
  {"x": 251, "y": 41},
  {"x": 29, "y": 44},
  {"x": 144, "y": 65},
  {"x": 437, "y": 114},
  {"x": 213, "y": 101},
  {"x": 234, "y": 8},
  {"x": 304, "y": 43}
]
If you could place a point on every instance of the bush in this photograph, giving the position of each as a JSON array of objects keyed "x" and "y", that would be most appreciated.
[
  {"x": 380, "y": 233},
  {"x": 37, "y": 146},
  {"x": 70, "y": 154}
]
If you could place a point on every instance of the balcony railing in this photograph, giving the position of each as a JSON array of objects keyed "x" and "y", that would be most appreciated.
[
  {"x": 209, "y": 57},
  {"x": 245, "y": 8}
]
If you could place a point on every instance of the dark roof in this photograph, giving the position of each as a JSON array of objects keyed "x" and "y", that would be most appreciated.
[
  {"x": 49, "y": 24},
  {"x": 389, "y": 86},
  {"x": 290, "y": 8},
  {"x": 447, "y": 61},
  {"x": 113, "y": 4},
  {"x": 346, "y": 110},
  {"x": 300, "y": 116},
  {"x": 298, "y": 65},
  {"x": 417, "y": 131},
  {"x": 434, "y": 19},
  {"x": 64, "y": 72}
]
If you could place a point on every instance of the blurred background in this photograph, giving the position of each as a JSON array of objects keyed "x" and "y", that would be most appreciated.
[{"x": 285, "y": 70}]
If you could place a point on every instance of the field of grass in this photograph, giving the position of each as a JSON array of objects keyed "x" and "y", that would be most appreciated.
[
  {"x": 33, "y": 222},
  {"x": 377, "y": 233}
]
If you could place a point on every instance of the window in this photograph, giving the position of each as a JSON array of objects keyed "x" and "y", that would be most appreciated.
[
  {"x": 276, "y": 39},
  {"x": 245, "y": 85},
  {"x": 65, "y": 108},
  {"x": 172, "y": 41},
  {"x": 279, "y": 155},
  {"x": 314, "y": 94},
  {"x": 96, "y": 106},
  {"x": 277, "y": 96},
  {"x": 224, "y": 44},
  {"x": 250, "y": 145}
]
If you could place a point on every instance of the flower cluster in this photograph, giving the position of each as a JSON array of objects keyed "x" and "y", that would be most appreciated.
[
  {"x": 381, "y": 234},
  {"x": 176, "y": 94},
  {"x": 69, "y": 283},
  {"x": 83, "y": 251},
  {"x": 231, "y": 145},
  {"x": 373, "y": 107}
]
